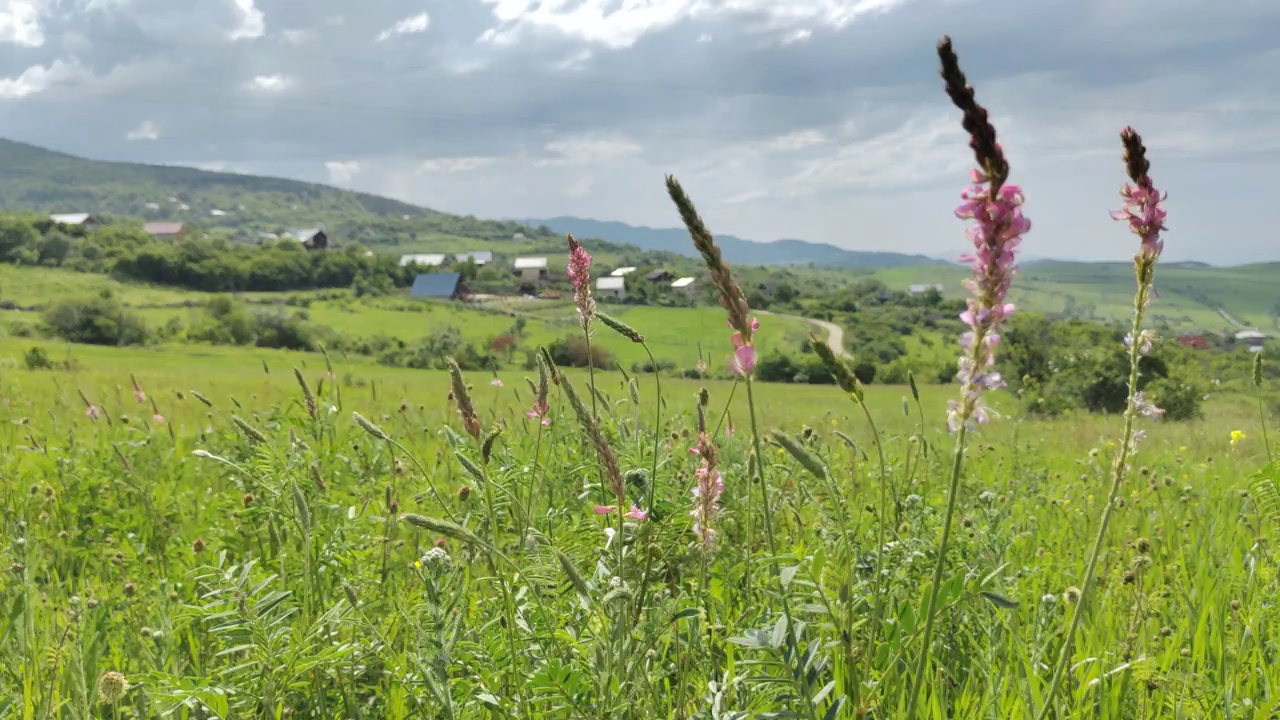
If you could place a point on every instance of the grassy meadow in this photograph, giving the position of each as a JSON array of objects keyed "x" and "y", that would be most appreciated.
[{"x": 255, "y": 551}]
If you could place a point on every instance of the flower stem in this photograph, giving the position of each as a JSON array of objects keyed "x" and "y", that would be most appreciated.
[
  {"x": 957, "y": 462},
  {"x": 878, "y": 608},
  {"x": 793, "y": 645},
  {"x": 1117, "y": 478}
]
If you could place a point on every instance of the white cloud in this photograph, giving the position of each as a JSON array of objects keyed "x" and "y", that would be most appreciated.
[
  {"x": 795, "y": 141},
  {"x": 342, "y": 172},
  {"x": 705, "y": 38},
  {"x": 252, "y": 23},
  {"x": 271, "y": 84},
  {"x": 408, "y": 26},
  {"x": 20, "y": 22},
  {"x": 575, "y": 61},
  {"x": 928, "y": 146},
  {"x": 38, "y": 78},
  {"x": 627, "y": 22},
  {"x": 743, "y": 197},
  {"x": 588, "y": 149},
  {"x": 295, "y": 37},
  {"x": 147, "y": 130},
  {"x": 454, "y": 165}
]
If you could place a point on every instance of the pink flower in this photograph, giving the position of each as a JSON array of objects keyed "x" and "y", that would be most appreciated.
[
  {"x": 743, "y": 359},
  {"x": 579, "y": 270},
  {"x": 496, "y": 382},
  {"x": 996, "y": 235},
  {"x": 139, "y": 395},
  {"x": 1143, "y": 210},
  {"x": 157, "y": 419},
  {"x": 92, "y": 411},
  {"x": 604, "y": 509},
  {"x": 1146, "y": 408},
  {"x": 635, "y": 513},
  {"x": 706, "y": 493},
  {"x": 539, "y": 411}
]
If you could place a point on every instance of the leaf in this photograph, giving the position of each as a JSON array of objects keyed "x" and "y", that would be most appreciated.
[
  {"x": 686, "y": 614},
  {"x": 1000, "y": 601},
  {"x": 788, "y": 574},
  {"x": 834, "y": 711}
]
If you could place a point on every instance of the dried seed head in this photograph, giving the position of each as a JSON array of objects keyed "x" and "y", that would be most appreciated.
[
  {"x": 1135, "y": 157},
  {"x": 1071, "y": 595},
  {"x": 1257, "y": 370},
  {"x": 982, "y": 134},
  {"x": 197, "y": 545},
  {"x": 112, "y": 688},
  {"x": 704, "y": 397},
  {"x": 130, "y": 589}
]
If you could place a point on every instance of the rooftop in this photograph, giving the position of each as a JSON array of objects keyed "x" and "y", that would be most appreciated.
[
  {"x": 479, "y": 257},
  {"x": 427, "y": 259},
  {"x": 683, "y": 282},
  {"x": 611, "y": 283},
  {"x": 622, "y": 271},
  {"x": 531, "y": 263},
  {"x": 163, "y": 228},
  {"x": 435, "y": 285},
  {"x": 70, "y": 218}
]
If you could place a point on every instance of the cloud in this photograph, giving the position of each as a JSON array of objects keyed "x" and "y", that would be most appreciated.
[
  {"x": 408, "y": 26},
  {"x": 271, "y": 84},
  {"x": 39, "y": 78},
  {"x": 454, "y": 165},
  {"x": 147, "y": 130},
  {"x": 342, "y": 172},
  {"x": 820, "y": 119},
  {"x": 252, "y": 23},
  {"x": 20, "y": 23}
]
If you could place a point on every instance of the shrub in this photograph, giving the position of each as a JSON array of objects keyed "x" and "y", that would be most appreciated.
[
  {"x": 572, "y": 352},
  {"x": 100, "y": 320},
  {"x": 37, "y": 359},
  {"x": 1180, "y": 399}
]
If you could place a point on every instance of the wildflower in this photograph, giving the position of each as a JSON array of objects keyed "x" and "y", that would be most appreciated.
[
  {"x": 743, "y": 359},
  {"x": 706, "y": 493},
  {"x": 436, "y": 558},
  {"x": 1144, "y": 341},
  {"x": 604, "y": 509},
  {"x": 92, "y": 411},
  {"x": 462, "y": 395},
  {"x": 157, "y": 419},
  {"x": 1146, "y": 408},
  {"x": 635, "y": 513},
  {"x": 580, "y": 275},
  {"x": 1142, "y": 201},
  {"x": 996, "y": 209},
  {"x": 112, "y": 687},
  {"x": 1237, "y": 437},
  {"x": 496, "y": 382},
  {"x": 540, "y": 408}
]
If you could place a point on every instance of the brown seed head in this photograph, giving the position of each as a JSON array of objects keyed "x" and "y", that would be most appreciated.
[
  {"x": 1135, "y": 157},
  {"x": 982, "y": 134}
]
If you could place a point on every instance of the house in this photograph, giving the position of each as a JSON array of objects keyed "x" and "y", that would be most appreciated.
[
  {"x": 531, "y": 269},
  {"x": 686, "y": 285},
  {"x": 439, "y": 286},
  {"x": 921, "y": 289},
  {"x": 312, "y": 238},
  {"x": 164, "y": 229},
  {"x": 658, "y": 275},
  {"x": 423, "y": 259},
  {"x": 218, "y": 213},
  {"x": 479, "y": 257},
  {"x": 1251, "y": 339},
  {"x": 612, "y": 287},
  {"x": 622, "y": 272},
  {"x": 84, "y": 220},
  {"x": 1198, "y": 342}
]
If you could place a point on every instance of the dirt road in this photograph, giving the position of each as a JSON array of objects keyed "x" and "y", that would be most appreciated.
[{"x": 835, "y": 335}]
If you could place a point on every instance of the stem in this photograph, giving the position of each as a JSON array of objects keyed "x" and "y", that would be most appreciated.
[
  {"x": 957, "y": 461},
  {"x": 878, "y": 608},
  {"x": 1117, "y": 477},
  {"x": 653, "y": 479},
  {"x": 1262, "y": 420},
  {"x": 798, "y": 673}
]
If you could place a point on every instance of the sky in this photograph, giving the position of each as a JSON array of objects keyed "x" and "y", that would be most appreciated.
[{"x": 816, "y": 119}]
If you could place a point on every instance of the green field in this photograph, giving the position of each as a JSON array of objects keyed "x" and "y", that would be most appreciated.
[
  {"x": 268, "y": 574},
  {"x": 1189, "y": 297}
]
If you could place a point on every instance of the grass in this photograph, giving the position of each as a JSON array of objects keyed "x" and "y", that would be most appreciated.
[{"x": 127, "y": 553}]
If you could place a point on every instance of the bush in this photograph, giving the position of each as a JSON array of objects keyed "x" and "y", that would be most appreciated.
[
  {"x": 37, "y": 359},
  {"x": 101, "y": 320},
  {"x": 572, "y": 352},
  {"x": 1179, "y": 398}
]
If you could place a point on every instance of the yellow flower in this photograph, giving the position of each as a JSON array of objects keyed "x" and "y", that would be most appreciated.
[
  {"x": 1236, "y": 437},
  {"x": 417, "y": 564}
]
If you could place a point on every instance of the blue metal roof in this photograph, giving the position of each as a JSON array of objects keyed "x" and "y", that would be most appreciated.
[{"x": 435, "y": 285}]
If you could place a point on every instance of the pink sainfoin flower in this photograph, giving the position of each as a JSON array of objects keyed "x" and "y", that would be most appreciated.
[
  {"x": 743, "y": 359},
  {"x": 604, "y": 509},
  {"x": 996, "y": 234},
  {"x": 496, "y": 382},
  {"x": 540, "y": 409},
  {"x": 706, "y": 494},
  {"x": 157, "y": 419},
  {"x": 92, "y": 411},
  {"x": 1146, "y": 408},
  {"x": 580, "y": 275},
  {"x": 635, "y": 513},
  {"x": 138, "y": 394}
]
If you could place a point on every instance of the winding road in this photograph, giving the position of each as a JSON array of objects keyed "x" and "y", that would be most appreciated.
[{"x": 835, "y": 334}]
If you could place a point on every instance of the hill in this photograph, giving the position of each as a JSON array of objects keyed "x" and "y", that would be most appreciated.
[
  {"x": 43, "y": 180},
  {"x": 736, "y": 250}
]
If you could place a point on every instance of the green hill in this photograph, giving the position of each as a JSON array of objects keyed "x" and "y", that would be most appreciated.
[{"x": 43, "y": 180}]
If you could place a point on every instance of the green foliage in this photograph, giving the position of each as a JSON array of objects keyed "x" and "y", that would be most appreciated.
[{"x": 100, "y": 320}]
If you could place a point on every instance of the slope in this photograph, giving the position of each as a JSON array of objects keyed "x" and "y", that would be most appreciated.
[{"x": 736, "y": 250}]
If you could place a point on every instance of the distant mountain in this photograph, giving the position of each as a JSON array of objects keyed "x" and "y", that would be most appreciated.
[
  {"x": 736, "y": 250},
  {"x": 36, "y": 179}
]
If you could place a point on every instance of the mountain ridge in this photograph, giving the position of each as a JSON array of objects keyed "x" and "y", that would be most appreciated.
[{"x": 785, "y": 251}]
